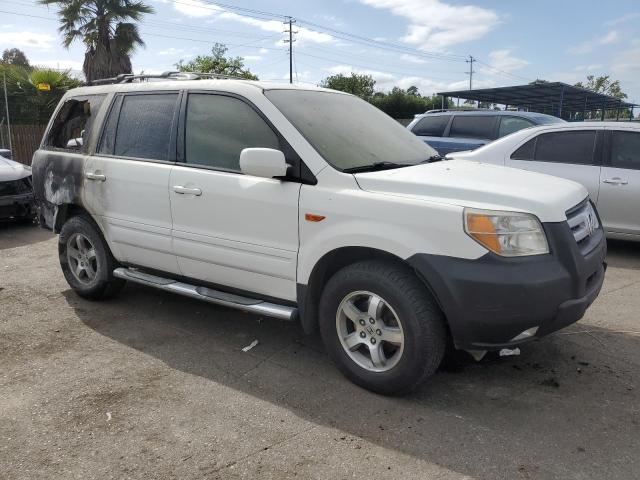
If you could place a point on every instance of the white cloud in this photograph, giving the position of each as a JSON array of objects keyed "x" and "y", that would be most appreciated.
[
  {"x": 588, "y": 46},
  {"x": 412, "y": 58},
  {"x": 263, "y": 51},
  {"x": 435, "y": 25},
  {"x": 197, "y": 8},
  {"x": 503, "y": 60},
  {"x": 171, "y": 51},
  {"x": 25, "y": 39},
  {"x": 255, "y": 58},
  {"x": 588, "y": 68},
  {"x": 623, "y": 19}
]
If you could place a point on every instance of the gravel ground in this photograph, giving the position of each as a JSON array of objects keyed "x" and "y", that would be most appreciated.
[{"x": 152, "y": 385}]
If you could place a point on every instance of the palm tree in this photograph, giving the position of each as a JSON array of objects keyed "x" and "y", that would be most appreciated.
[{"x": 107, "y": 28}]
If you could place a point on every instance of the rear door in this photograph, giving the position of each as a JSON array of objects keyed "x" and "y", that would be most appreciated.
[
  {"x": 572, "y": 154},
  {"x": 619, "y": 200},
  {"x": 126, "y": 181}
]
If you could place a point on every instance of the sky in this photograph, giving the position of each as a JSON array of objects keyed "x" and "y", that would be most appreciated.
[{"x": 425, "y": 43}]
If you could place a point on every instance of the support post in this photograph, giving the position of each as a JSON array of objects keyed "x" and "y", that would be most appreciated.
[
  {"x": 6, "y": 105},
  {"x": 561, "y": 102}
]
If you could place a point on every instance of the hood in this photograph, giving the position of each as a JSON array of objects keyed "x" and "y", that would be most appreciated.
[
  {"x": 473, "y": 184},
  {"x": 10, "y": 170}
]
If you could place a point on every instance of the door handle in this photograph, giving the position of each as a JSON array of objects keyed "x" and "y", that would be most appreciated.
[
  {"x": 615, "y": 181},
  {"x": 187, "y": 191},
  {"x": 95, "y": 176}
]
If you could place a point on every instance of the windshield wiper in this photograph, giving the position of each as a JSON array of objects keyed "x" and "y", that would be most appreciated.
[
  {"x": 433, "y": 158},
  {"x": 374, "y": 167}
]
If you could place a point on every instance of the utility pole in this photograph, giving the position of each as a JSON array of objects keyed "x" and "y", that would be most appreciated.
[
  {"x": 290, "y": 31},
  {"x": 470, "y": 72},
  {"x": 6, "y": 104}
]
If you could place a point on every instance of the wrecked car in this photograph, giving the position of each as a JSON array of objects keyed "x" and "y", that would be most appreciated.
[
  {"x": 16, "y": 192},
  {"x": 311, "y": 205}
]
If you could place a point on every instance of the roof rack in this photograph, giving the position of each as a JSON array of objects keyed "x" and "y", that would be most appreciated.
[
  {"x": 170, "y": 75},
  {"x": 458, "y": 109}
]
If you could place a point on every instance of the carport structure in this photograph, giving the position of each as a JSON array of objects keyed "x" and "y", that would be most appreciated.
[{"x": 555, "y": 98}]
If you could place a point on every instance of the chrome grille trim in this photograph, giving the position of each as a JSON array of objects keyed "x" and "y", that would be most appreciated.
[{"x": 582, "y": 221}]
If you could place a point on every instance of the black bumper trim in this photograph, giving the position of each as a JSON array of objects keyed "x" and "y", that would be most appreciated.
[{"x": 491, "y": 300}]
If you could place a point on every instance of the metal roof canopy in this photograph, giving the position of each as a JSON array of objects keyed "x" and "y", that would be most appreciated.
[{"x": 538, "y": 96}]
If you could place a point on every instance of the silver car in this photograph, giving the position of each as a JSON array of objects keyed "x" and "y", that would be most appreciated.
[{"x": 602, "y": 156}]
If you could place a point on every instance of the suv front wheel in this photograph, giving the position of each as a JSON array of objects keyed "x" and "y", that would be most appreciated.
[
  {"x": 86, "y": 261},
  {"x": 381, "y": 326}
]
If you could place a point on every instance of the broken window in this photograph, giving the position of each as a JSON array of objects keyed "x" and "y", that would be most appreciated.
[{"x": 71, "y": 127}]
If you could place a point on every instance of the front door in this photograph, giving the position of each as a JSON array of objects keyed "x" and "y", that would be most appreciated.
[
  {"x": 126, "y": 182},
  {"x": 232, "y": 229},
  {"x": 620, "y": 184}
]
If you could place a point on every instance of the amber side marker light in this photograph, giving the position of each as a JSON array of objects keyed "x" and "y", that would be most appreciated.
[
  {"x": 482, "y": 229},
  {"x": 310, "y": 217}
]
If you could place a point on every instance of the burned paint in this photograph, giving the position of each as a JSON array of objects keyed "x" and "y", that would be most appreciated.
[{"x": 57, "y": 181}]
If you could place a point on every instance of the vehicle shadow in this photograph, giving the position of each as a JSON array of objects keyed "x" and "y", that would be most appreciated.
[
  {"x": 567, "y": 407},
  {"x": 20, "y": 233},
  {"x": 623, "y": 254}
]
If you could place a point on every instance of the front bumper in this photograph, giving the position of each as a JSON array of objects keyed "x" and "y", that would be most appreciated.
[
  {"x": 16, "y": 206},
  {"x": 489, "y": 302}
]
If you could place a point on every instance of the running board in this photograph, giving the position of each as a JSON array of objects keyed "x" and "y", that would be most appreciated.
[{"x": 246, "y": 304}]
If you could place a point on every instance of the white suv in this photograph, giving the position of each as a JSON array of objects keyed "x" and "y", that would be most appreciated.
[{"x": 310, "y": 204}]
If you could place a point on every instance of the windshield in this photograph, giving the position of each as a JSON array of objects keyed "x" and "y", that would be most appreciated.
[{"x": 348, "y": 132}]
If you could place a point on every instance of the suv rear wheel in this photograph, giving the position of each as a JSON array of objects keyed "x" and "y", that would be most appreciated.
[
  {"x": 381, "y": 326},
  {"x": 86, "y": 261}
]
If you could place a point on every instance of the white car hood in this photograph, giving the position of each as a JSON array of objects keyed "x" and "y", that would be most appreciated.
[
  {"x": 473, "y": 184},
  {"x": 10, "y": 170}
]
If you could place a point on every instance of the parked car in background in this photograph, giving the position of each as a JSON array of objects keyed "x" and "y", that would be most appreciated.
[
  {"x": 5, "y": 153},
  {"x": 602, "y": 156},
  {"x": 305, "y": 203},
  {"x": 16, "y": 192},
  {"x": 454, "y": 130}
]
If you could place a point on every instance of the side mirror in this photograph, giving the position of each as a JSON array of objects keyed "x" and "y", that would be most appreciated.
[
  {"x": 263, "y": 162},
  {"x": 74, "y": 142}
]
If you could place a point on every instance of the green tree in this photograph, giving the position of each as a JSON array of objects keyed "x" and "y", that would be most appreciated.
[
  {"x": 27, "y": 103},
  {"x": 603, "y": 84},
  {"x": 15, "y": 56},
  {"x": 108, "y": 28},
  {"x": 217, "y": 62},
  {"x": 356, "y": 84},
  {"x": 413, "y": 90}
]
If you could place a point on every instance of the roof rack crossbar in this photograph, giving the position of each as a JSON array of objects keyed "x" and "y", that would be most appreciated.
[{"x": 170, "y": 75}]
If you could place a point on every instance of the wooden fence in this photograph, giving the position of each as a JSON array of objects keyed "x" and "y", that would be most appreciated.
[{"x": 25, "y": 140}]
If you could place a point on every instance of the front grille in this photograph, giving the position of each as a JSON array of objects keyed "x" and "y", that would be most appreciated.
[
  {"x": 583, "y": 222},
  {"x": 15, "y": 187}
]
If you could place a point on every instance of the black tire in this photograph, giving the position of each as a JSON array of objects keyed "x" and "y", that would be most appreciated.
[
  {"x": 104, "y": 285},
  {"x": 422, "y": 322}
]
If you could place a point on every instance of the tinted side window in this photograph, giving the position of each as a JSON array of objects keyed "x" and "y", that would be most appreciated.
[
  {"x": 566, "y": 147},
  {"x": 71, "y": 127},
  {"x": 144, "y": 126},
  {"x": 219, "y": 127},
  {"x": 512, "y": 124},
  {"x": 468, "y": 126},
  {"x": 525, "y": 152},
  {"x": 625, "y": 150},
  {"x": 431, "y": 126}
]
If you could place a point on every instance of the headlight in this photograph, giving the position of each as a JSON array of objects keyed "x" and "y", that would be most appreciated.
[{"x": 509, "y": 234}]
